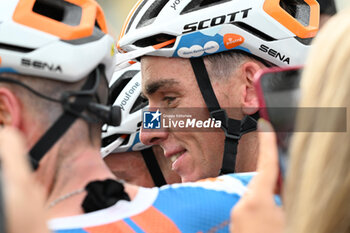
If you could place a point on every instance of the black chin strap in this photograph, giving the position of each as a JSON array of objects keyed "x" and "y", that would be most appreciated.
[
  {"x": 234, "y": 129},
  {"x": 72, "y": 111},
  {"x": 153, "y": 167}
]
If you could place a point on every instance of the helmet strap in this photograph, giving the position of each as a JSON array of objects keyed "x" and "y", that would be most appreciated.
[
  {"x": 63, "y": 123},
  {"x": 153, "y": 167},
  {"x": 233, "y": 129}
]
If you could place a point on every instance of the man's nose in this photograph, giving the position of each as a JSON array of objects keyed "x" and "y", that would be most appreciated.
[{"x": 153, "y": 136}]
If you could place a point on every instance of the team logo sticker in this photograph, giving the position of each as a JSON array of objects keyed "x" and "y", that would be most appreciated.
[
  {"x": 215, "y": 40},
  {"x": 197, "y": 50},
  {"x": 232, "y": 40}
]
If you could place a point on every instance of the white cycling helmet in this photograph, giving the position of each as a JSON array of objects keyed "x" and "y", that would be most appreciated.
[
  {"x": 195, "y": 28},
  {"x": 125, "y": 91},
  {"x": 63, "y": 40}
]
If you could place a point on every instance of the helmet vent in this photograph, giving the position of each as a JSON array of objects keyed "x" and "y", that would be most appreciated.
[
  {"x": 305, "y": 41},
  {"x": 153, "y": 40},
  {"x": 152, "y": 13},
  {"x": 108, "y": 140},
  {"x": 120, "y": 84},
  {"x": 201, "y": 4},
  {"x": 299, "y": 9},
  {"x": 126, "y": 140},
  {"x": 97, "y": 25},
  {"x": 15, "y": 48},
  {"x": 140, "y": 103},
  {"x": 253, "y": 31},
  {"x": 135, "y": 14},
  {"x": 60, "y": 11}
]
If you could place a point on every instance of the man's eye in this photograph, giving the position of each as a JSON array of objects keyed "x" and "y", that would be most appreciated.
[{"x": 169, "y": 99}]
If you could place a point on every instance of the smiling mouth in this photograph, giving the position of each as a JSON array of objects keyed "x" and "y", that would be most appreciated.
[{"x": 174, "y": 157}]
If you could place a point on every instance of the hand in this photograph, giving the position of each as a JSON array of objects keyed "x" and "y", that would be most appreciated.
[
  {"x": 23, "y": 196},
  {"x": 257, "y": 210}
]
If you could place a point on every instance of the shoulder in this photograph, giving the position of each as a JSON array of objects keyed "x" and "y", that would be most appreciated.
[
  {"x": 112, "y": 217},
  {"x": 231, "y": 183},
  {"x": 188, "y": 207},
  {"x": 223, "y": 189},
  {"x": 204, "y": 205}
]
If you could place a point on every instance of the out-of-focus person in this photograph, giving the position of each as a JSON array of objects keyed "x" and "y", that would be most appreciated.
[
  {"x": 318, "y": 181},
  {"x": 54, "y": 95},
  {"x": 317, "y": 189},
  {"x": 132, "y": 168},
  {"x": 23, "y": 197}
]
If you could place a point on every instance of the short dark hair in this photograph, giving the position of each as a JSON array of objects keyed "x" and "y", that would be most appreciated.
[
  {"x": 223, "y": 64},
  {"x": 327, "y": 7}
]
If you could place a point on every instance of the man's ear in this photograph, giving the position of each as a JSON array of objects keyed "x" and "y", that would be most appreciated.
[
  {"x": 10, "y": 108},
  {"x": 250, "y": 103}
]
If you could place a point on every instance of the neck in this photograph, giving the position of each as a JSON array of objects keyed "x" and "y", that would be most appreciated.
[
  {"x": 247, "y": 156},
  {"x": 68, "y": 174}
]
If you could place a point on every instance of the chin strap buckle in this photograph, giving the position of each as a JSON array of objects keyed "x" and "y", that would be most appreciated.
[{"x": 228, "y": 125}]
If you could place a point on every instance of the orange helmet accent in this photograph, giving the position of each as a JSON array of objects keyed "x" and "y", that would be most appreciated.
[
  {"x": 163, "y": 44},
  {"x": 91, "y": 12},
  {"x": 131, "y": 13},
  {"x": 273, "y": 8}
]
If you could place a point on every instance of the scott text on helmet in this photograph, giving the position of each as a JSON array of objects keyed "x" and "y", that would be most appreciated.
[{"x": 191, "y": 27}]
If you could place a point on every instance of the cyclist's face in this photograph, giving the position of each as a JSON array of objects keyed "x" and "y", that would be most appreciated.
[
  {"x": 170, "y": 83},
  {"x": 130, "y": 167}
]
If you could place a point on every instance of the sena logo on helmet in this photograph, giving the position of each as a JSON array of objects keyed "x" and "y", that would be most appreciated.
[
  {"x": 274, "y": 53},
  {"x": 40, "y": 65},
  {"x": 191, "y": 27}
]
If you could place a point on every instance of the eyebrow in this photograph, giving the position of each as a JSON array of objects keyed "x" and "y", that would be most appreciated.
[{"x": 153, "y": 87}]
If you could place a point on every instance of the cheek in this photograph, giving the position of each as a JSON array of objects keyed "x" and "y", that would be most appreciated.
[
  {"x": 116, "y": 163},
  {"x": 193, "y": 99},
  {"x": 213, "y": 152},
  {"x": 205, "y": 145},
  {"x": 213, "y": 143}
]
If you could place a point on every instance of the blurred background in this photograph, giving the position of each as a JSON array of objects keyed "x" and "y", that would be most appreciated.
[
  {"x": 117, "y": 10},
  {"x": 341, "y": 4}
]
